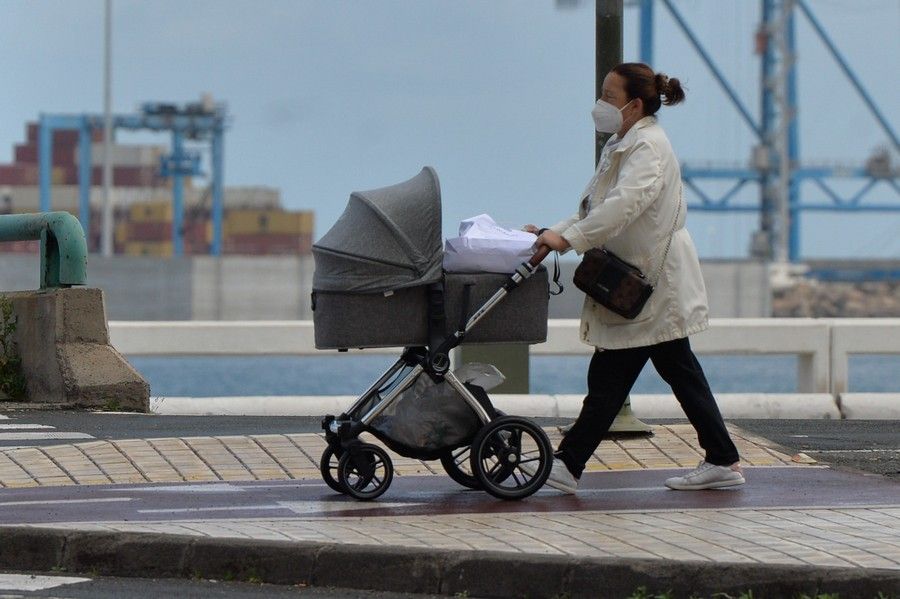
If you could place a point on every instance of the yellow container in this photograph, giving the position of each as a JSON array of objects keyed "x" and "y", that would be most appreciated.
[
  {"x": 58, "y": 175},
  {"x": 159, "y": 249},
  {"x": 121, "y": 232},
  {"x": 255, "y": 222},
  {"x": 306, "y": 221},
  {"x": 151, "y": 212}
]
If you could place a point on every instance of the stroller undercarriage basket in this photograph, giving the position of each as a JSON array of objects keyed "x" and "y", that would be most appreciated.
[{"x": 430, "y": 418}]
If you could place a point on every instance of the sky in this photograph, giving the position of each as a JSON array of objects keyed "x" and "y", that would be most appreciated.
[{"x": 331, "y": 96}]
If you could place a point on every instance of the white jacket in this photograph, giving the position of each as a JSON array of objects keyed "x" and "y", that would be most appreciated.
[{"x": 630, "y": 207}]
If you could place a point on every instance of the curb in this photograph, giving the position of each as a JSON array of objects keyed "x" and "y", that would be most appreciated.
[
  {"x": 402, "y": 569},
  {"x": 733, "y": 405}
]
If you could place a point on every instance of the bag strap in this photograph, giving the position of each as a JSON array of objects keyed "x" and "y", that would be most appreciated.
[
  {"x": 659, "y": 267},
  {"x": 559, "y": 287}
]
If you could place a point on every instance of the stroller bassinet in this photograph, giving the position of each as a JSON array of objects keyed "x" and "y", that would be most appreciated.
[
  {"x": 379, "y": 282},
  {"x": 374, "y": 266}
]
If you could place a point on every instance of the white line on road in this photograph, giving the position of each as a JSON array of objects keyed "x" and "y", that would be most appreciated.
[
  {"x": 7, "y": 427},
  {"x": 189, "y": 488},
  {"x": 853, "y": 450},
  {"x": 31, "y": 582},
  {"x": 312, "y": 507},
  {"x": 40, "y": 436},
  {"x": 66, "y": 501},
  {"x": 226, "y": 508}
]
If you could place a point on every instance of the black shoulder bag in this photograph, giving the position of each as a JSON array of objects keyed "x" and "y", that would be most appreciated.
[{"x": 615, "y": 284}]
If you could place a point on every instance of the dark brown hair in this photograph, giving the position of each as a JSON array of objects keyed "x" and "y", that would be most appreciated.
[{"x": 641, "y": 82}]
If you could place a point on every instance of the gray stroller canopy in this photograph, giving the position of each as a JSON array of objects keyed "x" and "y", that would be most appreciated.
[{"x": 386, "y": 239}]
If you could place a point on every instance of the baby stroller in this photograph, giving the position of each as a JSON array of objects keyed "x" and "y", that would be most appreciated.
[{"x": 379, "y": 282}]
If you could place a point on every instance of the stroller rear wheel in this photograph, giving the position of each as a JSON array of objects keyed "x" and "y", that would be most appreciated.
[
  {"x": 511, "y": 457},
  {"x": 365, "y": 471},
  {"x": 457, "y": 464},
  {"x": 328, "y": 467}
]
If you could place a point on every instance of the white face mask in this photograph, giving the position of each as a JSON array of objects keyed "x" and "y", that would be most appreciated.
[{"x": 607, "y": 118}]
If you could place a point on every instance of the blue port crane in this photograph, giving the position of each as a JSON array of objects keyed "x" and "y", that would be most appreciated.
[
  {"x": 775, "y": 163},
  {"x": 203, "y": 122}
]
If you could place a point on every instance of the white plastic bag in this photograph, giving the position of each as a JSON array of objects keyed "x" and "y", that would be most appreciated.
[{"x": 485, "y": 246}]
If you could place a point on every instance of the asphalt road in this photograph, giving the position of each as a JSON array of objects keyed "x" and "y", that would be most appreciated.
[
  {"x": 59, "y": 585},
  {"x": 866, "y": 445}
]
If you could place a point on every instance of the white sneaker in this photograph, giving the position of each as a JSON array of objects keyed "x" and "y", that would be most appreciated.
[
  {"x": 560, "y": 478},
  {"x": 708, "y": 476}
]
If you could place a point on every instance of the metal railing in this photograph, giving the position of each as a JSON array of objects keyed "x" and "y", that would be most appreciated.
[
  {"x": 822, "y": 346},
  {"x": 63, "y": 247}
]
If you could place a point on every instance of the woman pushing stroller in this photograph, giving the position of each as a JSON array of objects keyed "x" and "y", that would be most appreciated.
[{"x": 633, "y": 207}]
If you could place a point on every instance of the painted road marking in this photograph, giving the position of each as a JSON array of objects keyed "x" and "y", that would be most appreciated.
[
  {"x": 66, "y": 501},
  {"x": 208, "y": 488},
  {"x": 41, "y": 436},
  {"x": 312, "y": 507},
  {"x": 30, "y": 582},
  {"x": 227, "y": 508},
  {"x": 852, "y": 450},
  {"x": 7, "y": 427}
]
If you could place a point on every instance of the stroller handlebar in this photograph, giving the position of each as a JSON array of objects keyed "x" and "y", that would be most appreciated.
[{"x": 542, "y": 252}]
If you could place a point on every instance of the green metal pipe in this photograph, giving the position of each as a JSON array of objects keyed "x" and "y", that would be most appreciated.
[{"x": 63, "y": 247}]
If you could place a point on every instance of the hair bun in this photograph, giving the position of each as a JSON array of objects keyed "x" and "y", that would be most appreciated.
[{"x": 662, "y": 84}]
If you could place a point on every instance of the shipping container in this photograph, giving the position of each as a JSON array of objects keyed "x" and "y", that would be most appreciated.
[
  {"x": 127, "y": 155},
  {"x": 28, "y": 154},
  {"x": 149, "y": 231},
  {"x": 267, "y": 243},
  {"x": 130, "y": 176},
  {"x": 120, "y": 233},
  {"x": 30, "y": 246},
  {"x": 198, "y": 231},
  {"x": 151, "y": 212},
  {"x": 159, "y": 249},
  {"x": 18, "y": 174},
  {"x": 60, "y": 136},
  {"x": 251, "y": 222}
]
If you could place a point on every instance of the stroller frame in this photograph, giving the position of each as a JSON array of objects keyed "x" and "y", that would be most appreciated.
[{"x": 364, "y": 470}]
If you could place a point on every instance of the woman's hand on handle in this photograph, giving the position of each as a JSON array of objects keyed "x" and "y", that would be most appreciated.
[
  {"x": 553, "y": 240},
  {"x": 546, "y": 243}
]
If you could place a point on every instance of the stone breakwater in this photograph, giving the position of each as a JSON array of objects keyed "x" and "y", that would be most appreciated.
[{"x": 838, "y": 300}]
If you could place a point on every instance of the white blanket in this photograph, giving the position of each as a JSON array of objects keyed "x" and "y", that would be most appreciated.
[{"x": 485, "y": 246}]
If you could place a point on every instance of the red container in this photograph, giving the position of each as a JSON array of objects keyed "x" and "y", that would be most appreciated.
[
  {"x": 18, "y": 174},
  {"x": 150, "y": 231},
  {"x": 130, "y": 176},
  {"x": 28, "y": 154},
  {"x": 265, "y": 244},
  {"x": 21, "y": 247},
  {"x": 61, "y": 137}
]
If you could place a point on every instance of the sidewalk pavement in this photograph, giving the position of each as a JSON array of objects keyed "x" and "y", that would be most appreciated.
[{"x": 777, "y": 551}]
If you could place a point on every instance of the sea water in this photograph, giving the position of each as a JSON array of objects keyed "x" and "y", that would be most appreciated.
[{"x": 351, "y": 374}]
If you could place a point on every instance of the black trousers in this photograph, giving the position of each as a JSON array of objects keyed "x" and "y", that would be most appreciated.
[{"x": 611, "y": 375}]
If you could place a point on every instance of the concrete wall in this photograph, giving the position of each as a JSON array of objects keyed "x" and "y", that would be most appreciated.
[
  {"x": 279, "y": 287},
  {"x": 736, "y": 289},
  {"x": 188, "y": 288}
]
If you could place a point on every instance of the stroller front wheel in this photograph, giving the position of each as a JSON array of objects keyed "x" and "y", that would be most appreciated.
[
  {"x": 511, "y": 457},
  {"x": 365, "y": 471}
]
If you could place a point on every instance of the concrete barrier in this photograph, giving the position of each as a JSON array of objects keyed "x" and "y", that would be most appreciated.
[
  {"x": 870, "y": 406},
  {"x": 859, "y": 336},
  {"x": 66, "y": 356}
]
